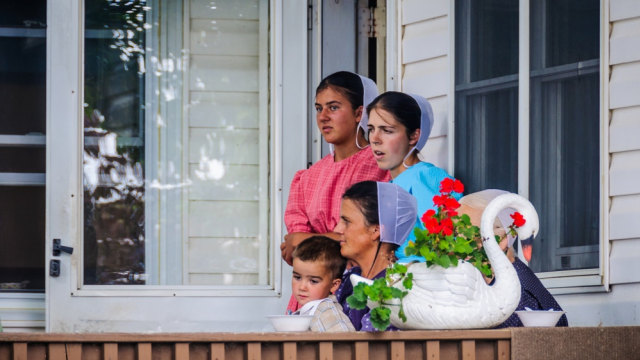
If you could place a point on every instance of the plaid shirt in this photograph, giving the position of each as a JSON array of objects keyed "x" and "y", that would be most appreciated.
[
  {"x": 315, "y": 194},
  {"x": 329, "y": 317}
]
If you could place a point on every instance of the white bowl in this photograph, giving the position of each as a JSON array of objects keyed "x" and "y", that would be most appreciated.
[
  {"x": 539, "y": 318},
  {"x": 290, "y": 322}
]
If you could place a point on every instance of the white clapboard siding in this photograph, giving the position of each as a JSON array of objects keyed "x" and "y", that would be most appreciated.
[
  {"x": 220, "y": 37},
  {"x": 224, "y": 109},
  {"x": 624, "y": 173},
  {"x": 224, "y": 113},
  {"x": 235, "y": 9},
  {"x": 440, "y": 107},
  {"x": 223, "y": 219},
  {"x": 425, "y": 67},
  {"x": 624, "y": 215},
  {"x": 425, "y": 40},
  {"x": 624, "y": 129},
  {"x": 625, "y": 41},
  {"x": 420, "y": 10},
  {"x": 435, "y": 152},
  {"x": 624, "y": 86},
  {"x": 22, "y": 312},
  {"x": 224, "y": 73},
  {"x": 623, "y": 9},
  {"x": 429, "y": 78},
  {"x": 230, "y": 146},
  {"x": 214, "y": 181},
  {"x": 244, "y": 259},
  {"x": 624, "y": 260},
  {"x": 624, "y": 141}
]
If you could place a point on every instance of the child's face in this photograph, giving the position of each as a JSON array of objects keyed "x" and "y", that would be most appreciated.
[{"x": 311, "y": 281}]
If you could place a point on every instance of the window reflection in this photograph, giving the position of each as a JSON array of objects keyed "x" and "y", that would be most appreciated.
[{"x": 114, "y": 236}]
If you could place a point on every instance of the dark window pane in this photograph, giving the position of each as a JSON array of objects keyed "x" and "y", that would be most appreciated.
[
  {"x": 22, "y": 84},
  {"x": 564, "y": 172},
  {"x": 486, "y": 140},
  {"x": 22, "y": 212},
  {"x": 22, "y": 160},
  {"x": 23, "y": 13},
  {"x": 564, "y": 32},
  {"x": 486, "y": 39}
]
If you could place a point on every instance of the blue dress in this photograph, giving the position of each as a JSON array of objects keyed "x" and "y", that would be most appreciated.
[{"x": 421, "y": 180}]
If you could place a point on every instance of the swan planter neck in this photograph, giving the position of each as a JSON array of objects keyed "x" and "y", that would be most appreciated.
[{"x": 458, "y": 297}]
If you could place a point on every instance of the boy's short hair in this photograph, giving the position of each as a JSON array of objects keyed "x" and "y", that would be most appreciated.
[{"x": 324, "y": 249}]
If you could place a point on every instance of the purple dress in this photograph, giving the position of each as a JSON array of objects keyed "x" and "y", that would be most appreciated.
[
  {"x": 359, "y": 318},
  {"x": 534, "y": 296}
]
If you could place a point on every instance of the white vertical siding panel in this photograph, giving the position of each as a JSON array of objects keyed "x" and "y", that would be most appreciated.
[
  {"x": 624, "y": 129},
  {"x": 230, "y": 183},
  {"x": 623, "y": 216},
  {"x": 624, "y": 88},
  {"x": 224, "y": 73},
  {"x": 425, "y": 40},
  {"x": 625, "y": 267},
  {"x": 418, "y": 10},
  {"x": 228, "y": 146},
  {"x": 625, "y": 41},
  {"x": 624, "y": 174},
  {"x": 623, "y": 9}
]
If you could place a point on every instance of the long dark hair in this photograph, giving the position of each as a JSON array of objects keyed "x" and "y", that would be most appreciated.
[
  {"x": 346, "y": 83},
  {"x": 403, "y": 107}
]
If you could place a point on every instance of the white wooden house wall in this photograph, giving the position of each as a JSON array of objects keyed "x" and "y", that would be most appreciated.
[
  {"x": 424, "y": 42},
  {"x": 224, "y": 127},
  {"x": 425, "y": 31}
]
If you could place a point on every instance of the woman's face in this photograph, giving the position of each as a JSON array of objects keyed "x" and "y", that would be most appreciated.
[
  {"x": 336, "y": 118},
  {"x": 358, "y": 240},
  {"x": 389, "y": 141}
]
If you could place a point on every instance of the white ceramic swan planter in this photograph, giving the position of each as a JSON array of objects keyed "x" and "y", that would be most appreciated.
[{"x": 458, "y": 297}]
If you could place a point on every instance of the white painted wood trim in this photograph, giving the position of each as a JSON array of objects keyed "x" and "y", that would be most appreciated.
[
  {"x": 451, "y": 92},
  {"x": 523, "y": 100},
  {"x": 393, "y": 50},
  {"x": 264, "y": 240},
  {"x": 605, "y": 120}
]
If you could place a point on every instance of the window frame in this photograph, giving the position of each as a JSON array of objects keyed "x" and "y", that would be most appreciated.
[{"x": 566, "y": 281}]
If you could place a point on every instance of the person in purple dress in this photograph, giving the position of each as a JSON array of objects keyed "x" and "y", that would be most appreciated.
[
  {"x": 375, "y": 218},
  {"x": 533, "y": 294}
]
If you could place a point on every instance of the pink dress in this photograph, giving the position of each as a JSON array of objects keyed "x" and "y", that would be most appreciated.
[{"x": 315, "y": 194}]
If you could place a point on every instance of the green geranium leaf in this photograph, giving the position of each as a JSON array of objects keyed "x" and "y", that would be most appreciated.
[
  {"x": 380, "y": 318},
  {"x": 407, "y": 282}
]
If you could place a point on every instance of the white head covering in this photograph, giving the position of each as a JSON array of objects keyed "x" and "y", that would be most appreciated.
[
  {"x": 397, "y": 212},
  {"x": 426, "y": 123},
  {"x": 483, "y": 198},
  {"x": 370, "y": 91}
]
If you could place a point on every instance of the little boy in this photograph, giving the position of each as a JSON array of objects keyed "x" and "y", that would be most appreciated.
[{"x": 317, "y": 270}]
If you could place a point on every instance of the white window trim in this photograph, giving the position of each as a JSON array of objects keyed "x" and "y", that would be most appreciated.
[{"x": 569, "y": 281}]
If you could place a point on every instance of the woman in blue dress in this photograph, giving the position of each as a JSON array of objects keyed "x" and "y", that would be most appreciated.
[{"x": 399, "y": 125}]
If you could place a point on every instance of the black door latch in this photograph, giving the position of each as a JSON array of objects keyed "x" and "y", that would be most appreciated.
[{"x": 57, "y": 247}]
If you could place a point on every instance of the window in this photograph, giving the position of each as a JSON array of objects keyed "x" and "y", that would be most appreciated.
[
  {"x": 176, "y": 140},
  {"x": 22, "y": 146},
  {"x": 563, "y": 159}
]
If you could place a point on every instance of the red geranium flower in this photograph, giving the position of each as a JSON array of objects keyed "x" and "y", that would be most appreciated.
[
  {"x": 428, "y": 215},
  {"x": 449, "y": 185},
  {"x": 451, "y": 203},
  {"x": 518, "y": 219},
  {"x": 458, "y": 186},
  {"x": 439, "y": 200},
  {"x": 432, "y": 225},
  {"x": 447, "y": 226}
]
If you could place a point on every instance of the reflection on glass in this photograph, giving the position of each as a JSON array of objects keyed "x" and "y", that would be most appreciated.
[{"x": 114, "y": 233}]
